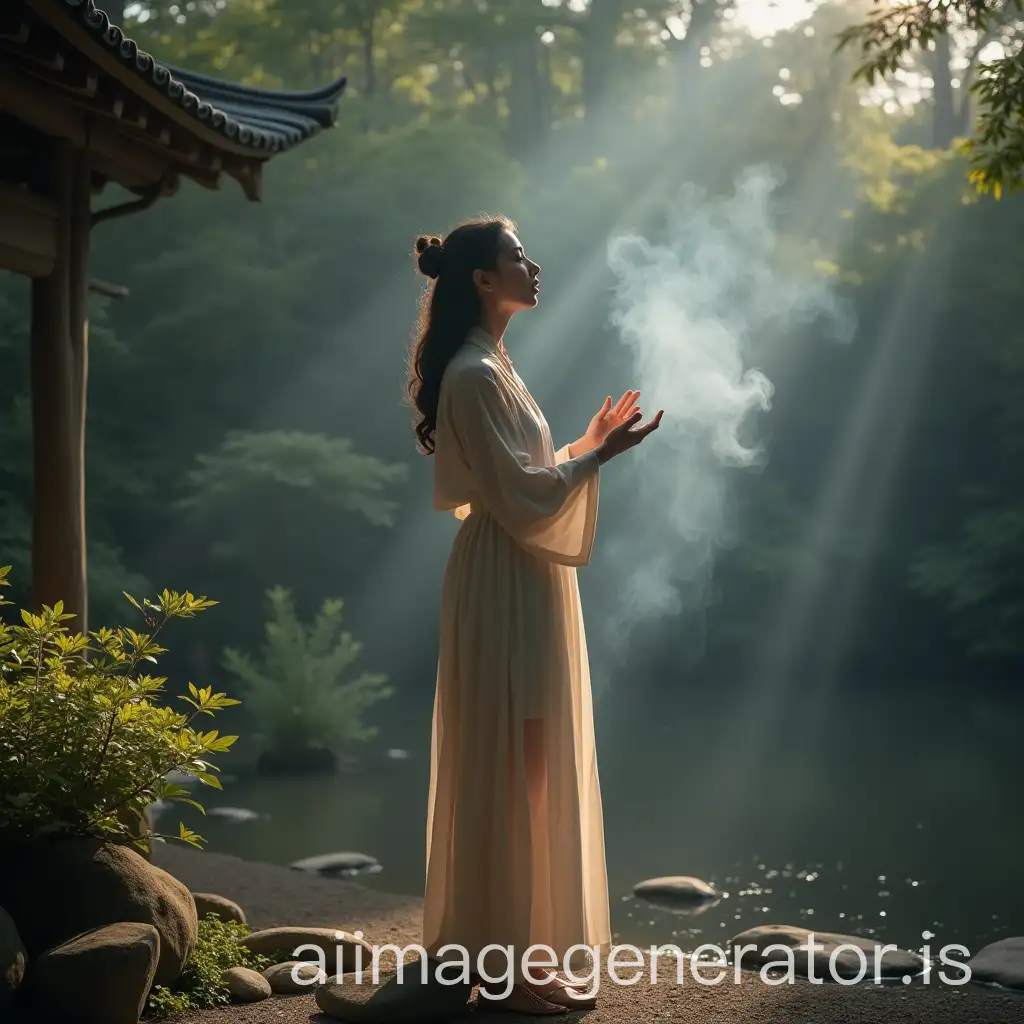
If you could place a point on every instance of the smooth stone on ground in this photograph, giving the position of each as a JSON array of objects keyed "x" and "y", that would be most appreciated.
[
  {"x": 675, "y": 889},
  {"x": 220, "y": 906},
  {"x": 338, "y": 947},
  {"x": 233, "y": 813},
  {"x": 294, "y": 976},
  {"x": 246, "y": 985},
  {"x": 335, "y": 863},
  {"x": 13, "y": 958},
  {"x": 391, "y": 1001},
  {"x": 1000, "y": 963},
  {"x": 100, "y": 977},
  {"x": 848, "y": 964},
  {"x": 56, "y": 889}
]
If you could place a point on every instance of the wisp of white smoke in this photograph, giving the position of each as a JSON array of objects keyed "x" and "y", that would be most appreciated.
[{"x": 693, "y": 310}]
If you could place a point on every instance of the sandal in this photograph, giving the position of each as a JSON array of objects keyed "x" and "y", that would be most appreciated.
[
  {"x": 573, "y": 997},
  {"x": 521, "y": 999}
]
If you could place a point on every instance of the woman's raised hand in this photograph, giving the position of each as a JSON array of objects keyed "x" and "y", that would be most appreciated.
[
  {"x": 608, "y": 417},
  {"x": 627, "y": 435}
]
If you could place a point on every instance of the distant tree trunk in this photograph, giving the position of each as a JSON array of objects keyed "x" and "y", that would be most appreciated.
[
  {"x": 598, "y": 36},
  {"x": 944, "y": 113},
  {"x": 369, "y": 68},
  {"x": 524, "y": 95},
  {"x": 545, "y": 103},
  {"x": 700, "y": 30}
]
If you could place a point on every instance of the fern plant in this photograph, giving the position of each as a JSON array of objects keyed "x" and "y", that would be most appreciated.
[
  {"x": 297, "y": 694},
  {"x": 201, "y": 983},
  {"x": 85, "y": 742}
]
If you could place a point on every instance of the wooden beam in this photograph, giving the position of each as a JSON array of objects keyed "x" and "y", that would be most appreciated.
[
  {"x": 59, "y": 373},
  {"x": 28, "y": 231},
  {"x": 13, "y": 26},
  {"x": 128, "y": 163}
]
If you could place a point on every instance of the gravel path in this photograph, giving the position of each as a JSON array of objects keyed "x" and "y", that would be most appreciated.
[{"x": 273, "y": 895}]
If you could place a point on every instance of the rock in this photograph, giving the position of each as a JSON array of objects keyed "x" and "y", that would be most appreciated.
[
  {"x": 246, "y": 985},
  {"x": 220, "y": 906},
  {"x": 895, "y": 963},
  {"x": 391, "y": 1001},
  {"x": 182, "y": 778},
  {"x": 679, "y": 894},
  {"x": 137, "y": 824},
  {"x": 344, "y": 862},
  {"x": 338, "y": 947},
  {"x": 58, "y": 888},
  {"x": 100, "y": 977},
  {"x": 294, "y": 976},
  {"x": 999, "y": 963},
  {"x": 13, "y": 958},
  {"x": 232, "y": 813}
]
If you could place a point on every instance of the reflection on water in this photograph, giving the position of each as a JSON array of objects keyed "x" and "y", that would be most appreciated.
[{"x": 887, "y": 820}]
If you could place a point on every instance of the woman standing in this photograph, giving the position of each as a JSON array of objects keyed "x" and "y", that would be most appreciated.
[{"x": 515, "y": 838}]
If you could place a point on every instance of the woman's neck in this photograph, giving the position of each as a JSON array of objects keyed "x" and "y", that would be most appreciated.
[{"x": 494, "y": 323}]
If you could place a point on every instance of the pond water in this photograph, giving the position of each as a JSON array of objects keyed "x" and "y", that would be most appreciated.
[{"x": 892, "y": 818}]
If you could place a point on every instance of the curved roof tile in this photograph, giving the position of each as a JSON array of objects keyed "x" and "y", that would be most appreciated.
[{"x": 264, "y": 120}]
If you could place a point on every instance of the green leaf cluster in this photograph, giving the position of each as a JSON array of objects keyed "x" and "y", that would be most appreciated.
[
  {"x": 218, "y": 948},
  {"x": 86, "y": 742},
  {"x": 893, "y": 31},
  {"x": 297, "y": 693}
]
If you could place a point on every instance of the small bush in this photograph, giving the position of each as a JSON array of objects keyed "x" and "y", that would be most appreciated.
[
  {"x": 199, "y": 986},
  {"x": 298, "y": 694},
  {"x": 85, "y": 746}
]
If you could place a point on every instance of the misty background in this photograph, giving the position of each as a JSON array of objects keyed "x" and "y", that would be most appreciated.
[{"x": 804, "y": 609}]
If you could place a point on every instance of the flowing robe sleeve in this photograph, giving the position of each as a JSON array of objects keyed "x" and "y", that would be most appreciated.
[{"x": 551, "y": 511}]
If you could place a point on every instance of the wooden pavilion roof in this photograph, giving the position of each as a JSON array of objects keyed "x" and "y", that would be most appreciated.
[{"x": 67, "y": 70}]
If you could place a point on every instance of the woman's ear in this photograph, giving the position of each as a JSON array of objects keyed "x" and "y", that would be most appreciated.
[{"x": 482, "y": 280}]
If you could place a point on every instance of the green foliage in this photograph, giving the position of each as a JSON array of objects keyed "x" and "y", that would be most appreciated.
[
  {"x": 893, "y": 31},
  {"x": 218, "y": 948},
  {"x": 976, "y": 579},
  {"x": 84, "y": 744},
  {"x": 249, "y": 467},
  {"x": 296, "y": 693}
]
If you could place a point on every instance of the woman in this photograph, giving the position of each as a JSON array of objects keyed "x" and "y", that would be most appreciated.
[{"x": 515, "y": 840}]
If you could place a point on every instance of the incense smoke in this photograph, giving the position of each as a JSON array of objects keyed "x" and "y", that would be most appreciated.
[{"x": 696, "y": 310}]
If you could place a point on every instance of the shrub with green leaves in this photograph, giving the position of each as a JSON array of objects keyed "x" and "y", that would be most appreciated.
[
  {"x": 199, "y": 985},
  {"x": 297, "y": 694},
  {"x": 85, "y": 743}
]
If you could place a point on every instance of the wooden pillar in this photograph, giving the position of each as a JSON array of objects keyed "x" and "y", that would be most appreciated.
[{"x": 59, "y": 375}]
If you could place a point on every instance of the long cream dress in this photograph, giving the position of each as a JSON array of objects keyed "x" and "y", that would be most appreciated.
[{"x": 512, "y": 648}]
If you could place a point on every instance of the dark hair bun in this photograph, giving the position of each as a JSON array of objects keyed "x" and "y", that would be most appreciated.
[{"x": 430, "y": 250}]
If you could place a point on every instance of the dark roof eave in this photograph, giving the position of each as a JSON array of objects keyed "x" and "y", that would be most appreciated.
[{"x": 262, "y": 121}]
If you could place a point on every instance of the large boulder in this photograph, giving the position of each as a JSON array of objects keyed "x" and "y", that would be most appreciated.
[
  {"x": 1000, "y": 963},
  {"x": 13, "y": 958},
  {"x": 767, "y": 939},
  {"x": 56, "y": 889},
  {"x": 100, "y": 977},
  {"x": 220, "y": 906}
]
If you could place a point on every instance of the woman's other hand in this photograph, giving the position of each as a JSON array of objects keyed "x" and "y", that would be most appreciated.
[{"x": 627, "y": 435}]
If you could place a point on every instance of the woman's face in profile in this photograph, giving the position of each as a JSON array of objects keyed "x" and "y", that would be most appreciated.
[{"x": 516, "y": 279}]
